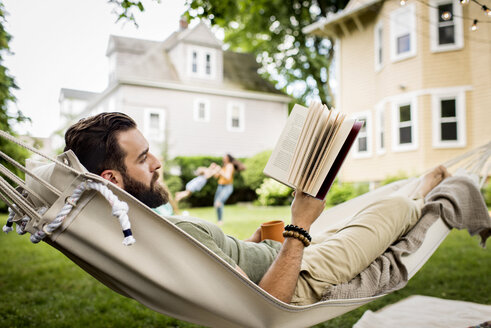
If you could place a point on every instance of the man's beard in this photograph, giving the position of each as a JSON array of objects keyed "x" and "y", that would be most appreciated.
[{"x": 152, "y": 196}]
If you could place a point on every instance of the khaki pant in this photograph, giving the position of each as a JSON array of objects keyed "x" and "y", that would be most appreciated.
[{"x": 340, "y": 253}]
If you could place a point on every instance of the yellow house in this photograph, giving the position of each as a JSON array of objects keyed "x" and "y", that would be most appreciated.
[{"x": 419, "y": 74}]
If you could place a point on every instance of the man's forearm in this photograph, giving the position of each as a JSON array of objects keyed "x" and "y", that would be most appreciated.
[{"x": 281, "y": 279}]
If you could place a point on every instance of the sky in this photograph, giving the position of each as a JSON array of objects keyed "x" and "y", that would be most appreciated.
[{"x": 62, "y": 44}]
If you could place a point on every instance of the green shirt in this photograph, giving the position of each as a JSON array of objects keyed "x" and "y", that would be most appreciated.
[{"x": 253, "y": 258}]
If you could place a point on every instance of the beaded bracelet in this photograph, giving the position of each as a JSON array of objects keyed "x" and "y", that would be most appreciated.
[
  {"x": 301, "y": 231},
  {"x": 295, "y": 234}
]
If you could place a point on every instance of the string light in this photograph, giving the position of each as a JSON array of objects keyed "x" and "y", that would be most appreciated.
[
  {"x": 474, "y": 25},
  {"x": 486, "y": 10},
  {"x": 446, "y": 15},
  {"x": 464, "y": 2},
  {"x": 403, "y": 2}
]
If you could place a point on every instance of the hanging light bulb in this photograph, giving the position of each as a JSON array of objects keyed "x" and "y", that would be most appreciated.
[
  {"x": 446, "y": 15},
  {"x": 403, "y": 2},
  {"x": 464, "y": 2},
  {"x": 486, "y": 10},
  {"x": 474, "y": 25}
]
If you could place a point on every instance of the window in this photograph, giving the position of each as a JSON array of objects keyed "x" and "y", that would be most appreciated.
[
  {"x": 380, "y": 129},
  {"x": 208, "y": 64},
  {"x": 194, "y": 62},
  {"x": 363, "y": 141},
  {"x": 403, "y": 33},
  {"x": 448, "y": 114},
  {"x": 201, "y": 110},
  {"x": 405, "y": 132},
  {"x": 235, "y": 117},
  {"x": 154, "y": 124},
  {"x": 379, "y": 41},
  {"x": 202, "y": 62},
  {"x": 446, "y": 25}
]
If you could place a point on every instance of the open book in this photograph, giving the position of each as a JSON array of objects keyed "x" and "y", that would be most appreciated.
[{"x": 312, "y": 148}]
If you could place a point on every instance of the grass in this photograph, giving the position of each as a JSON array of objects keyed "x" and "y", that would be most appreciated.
[{"x": 40, "y": 287}]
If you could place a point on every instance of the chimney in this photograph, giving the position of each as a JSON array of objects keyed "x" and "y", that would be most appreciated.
[{"x": 183, "y": 23}]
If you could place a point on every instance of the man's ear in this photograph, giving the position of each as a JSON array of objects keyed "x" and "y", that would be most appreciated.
[{"x": 113, "y": 176}]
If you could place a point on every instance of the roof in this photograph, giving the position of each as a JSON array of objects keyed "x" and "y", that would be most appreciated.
[
  {"x": 66, "y": 93},
  {"x": 327, "y": 25},
  {"x": 241, "y": 69},
  {"x": 126, "y": 44}
]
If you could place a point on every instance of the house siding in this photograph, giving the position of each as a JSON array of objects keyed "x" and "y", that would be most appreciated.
[
  {"x": 363, "y": 87},
  {"x": 185, "y": 136}
]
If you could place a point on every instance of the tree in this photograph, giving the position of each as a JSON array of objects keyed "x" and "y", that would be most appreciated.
[
  {"x": 272, "y": 30},
  {"x": 7, "y": 84}
]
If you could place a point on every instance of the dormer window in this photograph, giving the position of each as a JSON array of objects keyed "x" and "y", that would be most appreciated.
[
  {"x": 202, "y": 62},
  {"x": 195, "y": 62}
]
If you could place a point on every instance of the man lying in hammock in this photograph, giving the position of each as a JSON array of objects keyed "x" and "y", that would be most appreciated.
[{"x": 110, "y": 145}]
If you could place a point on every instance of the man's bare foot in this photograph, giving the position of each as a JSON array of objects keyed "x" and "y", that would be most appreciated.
[{"x": 432, "y": 179}]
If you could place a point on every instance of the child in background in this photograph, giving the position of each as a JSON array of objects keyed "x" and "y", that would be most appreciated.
[{"x": 196, "y": 184}]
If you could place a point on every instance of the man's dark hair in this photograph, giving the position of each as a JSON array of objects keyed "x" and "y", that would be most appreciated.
[{"x": 94, "y": 141}]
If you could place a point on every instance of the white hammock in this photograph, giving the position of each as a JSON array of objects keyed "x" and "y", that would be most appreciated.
[{"x": 166, "y": 269}]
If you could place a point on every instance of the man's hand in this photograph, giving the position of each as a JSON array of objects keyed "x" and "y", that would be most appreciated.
[
  {"x": 281, "y": 278},
  {"x": 306, "y": 209},
  {"x": 256, "y": 236}
]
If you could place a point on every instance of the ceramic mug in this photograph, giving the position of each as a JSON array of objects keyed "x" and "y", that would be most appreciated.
[{"x": 273, "y": 230}]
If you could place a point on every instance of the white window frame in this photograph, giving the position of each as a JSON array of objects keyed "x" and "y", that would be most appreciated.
[
  {"x": 460, "y": 118},
  {"x": 411, "y": 25},
  {"x": 241, "y": 126},
  {"x": 396, "y": 145},
  {"x": 380, "y": 119},
  {"x": 152, "y": 134},
  {"x": 434, "y": 26},
  {"x": 367, "y": 115},
  {"x": 206, "y": 104},
  {"x": 379, "y": 45},
  {"x": 201, "y": 53}
]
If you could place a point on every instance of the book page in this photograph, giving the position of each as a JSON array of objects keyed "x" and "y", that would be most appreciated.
[
  {"x": 325, "y": 125},
  {"x": 301, "y": 145},
  {"x": 279, "y": 163},
  {"x": 307, "y": 149},
  {"x": 338, "y": 141},
  {"x": 336, "y": 124},
  {"x": 333, "y": 124}
]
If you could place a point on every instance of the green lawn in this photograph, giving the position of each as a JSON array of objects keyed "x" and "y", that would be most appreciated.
[{"x": 41, "y": 288}]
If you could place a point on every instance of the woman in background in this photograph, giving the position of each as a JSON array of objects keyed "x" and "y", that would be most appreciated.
[{"x": 225, "y": 183}]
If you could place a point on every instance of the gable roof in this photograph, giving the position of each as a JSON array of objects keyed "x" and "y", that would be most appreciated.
[{"x": 154, "y": 63}]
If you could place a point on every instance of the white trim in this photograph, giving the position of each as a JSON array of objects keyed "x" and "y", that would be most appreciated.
[
  {"x": 379, "y": 45},
  {"x": 396, "y": 124},
  {"x": 423, "y": 92},
  {"x": 154, "y": 133},
  {"x": 230, "y": 106},
  {"x": 409, "y": 25},
  {"x": 337, "y": 62},
  {"x": 460, "y": 119},
  {"x": 380, "y": 120},
  {"x": 434, "y": 26},
  {"x": 367, "y": 116},
  {"x": 196, "y": 108}
]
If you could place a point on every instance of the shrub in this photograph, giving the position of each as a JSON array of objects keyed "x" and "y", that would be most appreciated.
[
  {"x": 253, "y": 175},
  {"x": 341, "y": 192},
  {"x": 392, "y": 178},
  {"x": 486, "y": 191},
  {"x": 272, "y": 192}
]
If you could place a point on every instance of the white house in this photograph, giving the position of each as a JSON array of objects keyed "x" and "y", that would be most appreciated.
[{"x": 187, "y": 95}]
